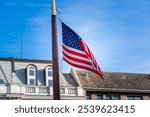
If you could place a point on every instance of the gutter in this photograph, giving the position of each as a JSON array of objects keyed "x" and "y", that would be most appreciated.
[{"x": 116, "y": 90}]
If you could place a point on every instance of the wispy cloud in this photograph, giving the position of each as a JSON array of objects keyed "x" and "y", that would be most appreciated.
[
  {"x": 38, "y": 38},
  {"x": 39, "y": 23},
  {"x": 35, "y": 5},
  {"x": 26, "y": 4},
  {"x": 142, "y": 67},
  {"x": 38, "y": 20}
]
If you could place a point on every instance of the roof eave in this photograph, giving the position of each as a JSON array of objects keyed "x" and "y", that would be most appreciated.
[{"x": 116, "y": 90}]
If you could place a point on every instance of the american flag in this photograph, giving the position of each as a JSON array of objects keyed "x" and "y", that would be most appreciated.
[{"x": 77, "y": 53}]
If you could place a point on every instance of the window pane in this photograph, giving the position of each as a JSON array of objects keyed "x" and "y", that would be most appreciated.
[
  {"x": 32, "y": 82},
  {"x": 99, "y": 97},
  {"x": 1, "y": 81},
  {"x": 108, "y": 97},
  {"x": 31, "y": 68},
  {"x": 49, "y": 73},
  {"x": 138, "y": 97},
  {"x": 116, "y": 97},
  {"x": 130, "y": 98},
  {"x": 88, "y": 97},
  {"x": 134, "y": 97},
  {"x": 49, "y": 69},
  {"x": 31, "y": 72},
  {"x": 50, "y": 82}
]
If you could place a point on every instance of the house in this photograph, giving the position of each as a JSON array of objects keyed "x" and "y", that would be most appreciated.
[{"x": 32, "y": 79}]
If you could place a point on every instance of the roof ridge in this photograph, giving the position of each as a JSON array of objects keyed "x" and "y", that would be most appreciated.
[{"x": 118, "y": 72}]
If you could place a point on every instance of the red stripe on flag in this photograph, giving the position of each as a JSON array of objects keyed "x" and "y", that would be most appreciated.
[
  {"x": 83, "y": 67},
  {"x": 73, "y": 52},
  {"x": 77, "y": 60},
  {"x": 89, "y": 53}
]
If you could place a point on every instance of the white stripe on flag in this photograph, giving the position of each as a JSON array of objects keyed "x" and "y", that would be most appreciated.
[
  {"x": 76, "y": 56},
  {"x": 78, "y": 63},
  {"x": 75, "y": 50}
]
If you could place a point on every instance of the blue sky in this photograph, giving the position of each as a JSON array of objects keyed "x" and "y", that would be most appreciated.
[{"x": 116, "y": 31}]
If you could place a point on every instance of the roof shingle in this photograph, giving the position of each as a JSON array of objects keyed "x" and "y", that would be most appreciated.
[{"x": 115, "y": 80}]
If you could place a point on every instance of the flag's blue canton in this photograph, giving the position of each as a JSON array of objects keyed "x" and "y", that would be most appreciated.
[{"x": 70, "y": 38}]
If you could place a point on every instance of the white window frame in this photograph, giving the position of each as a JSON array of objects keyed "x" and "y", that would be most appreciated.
[
  {"x": 48, "y": 68},
  {"x": 29, "y": 77}
]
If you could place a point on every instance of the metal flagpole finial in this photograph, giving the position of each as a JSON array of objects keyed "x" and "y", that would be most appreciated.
[{"x": 53, "y": 7}]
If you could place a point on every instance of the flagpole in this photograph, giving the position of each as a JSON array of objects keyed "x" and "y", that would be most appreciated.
[{"x": 56, "y": 87}]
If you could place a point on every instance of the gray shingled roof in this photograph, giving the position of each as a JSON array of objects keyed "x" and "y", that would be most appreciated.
[
  {"x": 70, "y": 80},
  {"x": 20, "y": 75},
  {"x": 20, "y": 70},
  {"x": 115, "y": 80}
]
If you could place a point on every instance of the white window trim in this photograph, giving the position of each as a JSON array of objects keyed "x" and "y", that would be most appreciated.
[
  {"x": 31, "y": 77},
  {"x": 46, "y": 73}
]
